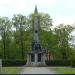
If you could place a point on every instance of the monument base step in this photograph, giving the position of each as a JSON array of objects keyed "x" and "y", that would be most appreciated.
[{"x": 35, "y": 65}]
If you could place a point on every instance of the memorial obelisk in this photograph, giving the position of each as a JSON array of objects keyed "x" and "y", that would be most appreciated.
[{"x": 36, "y": 57}]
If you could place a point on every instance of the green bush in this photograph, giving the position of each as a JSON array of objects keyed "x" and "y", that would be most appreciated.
[
  {"x": 11, "y": 62},
  {"x": 58, "y": 63},
  {"x": 73, "y": 63}
]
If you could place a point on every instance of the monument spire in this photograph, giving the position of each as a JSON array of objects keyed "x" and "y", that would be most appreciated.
[{"x": 36, "y": 11}]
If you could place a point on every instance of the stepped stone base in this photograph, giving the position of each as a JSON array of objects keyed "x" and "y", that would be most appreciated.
[{"x": 36, "y": 59}]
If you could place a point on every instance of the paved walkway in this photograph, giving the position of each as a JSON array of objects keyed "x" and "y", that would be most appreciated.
[{"x": 37, "y": 70}]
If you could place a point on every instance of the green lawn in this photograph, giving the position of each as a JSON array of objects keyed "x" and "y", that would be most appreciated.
[
  {"x": 64, "y": 70},
  {"x": 11, "y": 70},
  {"x": 15, "y": 70}
]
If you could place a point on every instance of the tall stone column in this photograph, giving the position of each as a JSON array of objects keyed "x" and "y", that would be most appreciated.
[
  {"x": 43, "y": 59},
  {"x": 28, "y": 58},
  {"x": 36, "y": 58}
]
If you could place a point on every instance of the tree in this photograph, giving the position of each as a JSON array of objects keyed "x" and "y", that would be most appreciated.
[
  {"x": 62, "y": 35},
  {"x": 5, "y": 26},
  {"x": 45, "y": 21},
  {"x": 19, "y": 22}
]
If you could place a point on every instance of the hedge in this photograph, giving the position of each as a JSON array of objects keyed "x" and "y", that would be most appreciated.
[
  {"x": 73, "y": 63},
  {"x": 58, "y": 63},
  {"x": 11, "y": 62}
]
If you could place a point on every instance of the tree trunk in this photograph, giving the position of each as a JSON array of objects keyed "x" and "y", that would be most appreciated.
[
  {"x": 21, "y": 41},
  {"x": 4, "y": 45}
]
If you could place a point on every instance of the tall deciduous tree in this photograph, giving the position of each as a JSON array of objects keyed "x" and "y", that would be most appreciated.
[
  {"x": 19, "y": 22},
  {"x": 5, "y": 28},
  {"x": 62, "y": 35}
]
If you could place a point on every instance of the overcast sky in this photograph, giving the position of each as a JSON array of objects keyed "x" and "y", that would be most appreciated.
[{"x": 61, "y": 11}]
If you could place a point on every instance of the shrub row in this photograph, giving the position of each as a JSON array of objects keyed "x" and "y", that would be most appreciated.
[
  {"x": 58, "y": 63},
  {"x": 12, "y": 62},
  {"x": 73, "y": 63}
]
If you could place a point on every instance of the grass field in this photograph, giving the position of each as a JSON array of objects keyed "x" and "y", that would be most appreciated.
[
  {"x": 17, "y": 70},
  {"x": 10, "y": 70},
  {"x": 64, "y": 70}
]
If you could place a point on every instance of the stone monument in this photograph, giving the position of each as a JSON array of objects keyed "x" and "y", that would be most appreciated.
[{"x": 36, "y": 57}]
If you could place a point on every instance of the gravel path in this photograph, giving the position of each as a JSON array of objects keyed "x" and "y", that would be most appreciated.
[{"x": 37, "y": 70}]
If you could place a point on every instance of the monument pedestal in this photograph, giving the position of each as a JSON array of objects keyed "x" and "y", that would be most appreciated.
[{"x": 36, "y": 59}]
